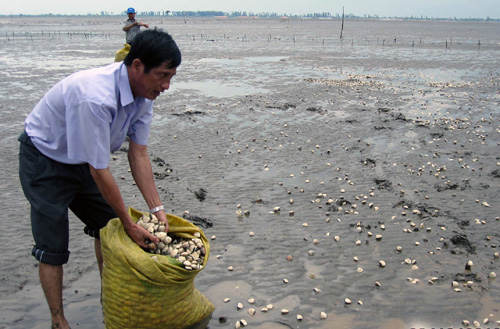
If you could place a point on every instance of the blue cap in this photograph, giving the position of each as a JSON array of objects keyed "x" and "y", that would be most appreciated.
[{"x": 131, "y": 11}]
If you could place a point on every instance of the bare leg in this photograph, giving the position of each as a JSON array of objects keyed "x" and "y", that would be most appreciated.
[
  {"x": 51, "y": 278},
  {"x": 98, "y": 254}
]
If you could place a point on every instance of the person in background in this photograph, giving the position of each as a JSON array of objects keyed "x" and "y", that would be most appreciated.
[
  {"x": 132, "y": 27},
  {"x": 65, "y": 151}
]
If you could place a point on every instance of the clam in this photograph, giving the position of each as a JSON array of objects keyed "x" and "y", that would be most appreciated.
[
  {"x": 469, "y": 265},
  {"x": 189, "y": 252}
]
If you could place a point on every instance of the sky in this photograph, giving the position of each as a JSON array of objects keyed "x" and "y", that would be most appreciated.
[{"x": 382, "y": 8}]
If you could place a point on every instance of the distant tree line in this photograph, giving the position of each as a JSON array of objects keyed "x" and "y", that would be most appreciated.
[
  {"x": 212, "y": 13},
  {"x": 215, "y": 13}
]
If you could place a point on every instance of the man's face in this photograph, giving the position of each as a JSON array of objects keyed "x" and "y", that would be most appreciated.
[
  {"x": 151, "y": 85},
  {"x": 131, "y": 16}
]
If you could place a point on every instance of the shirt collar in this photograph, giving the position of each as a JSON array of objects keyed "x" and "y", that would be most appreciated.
[{"x": 126, "y": 96}]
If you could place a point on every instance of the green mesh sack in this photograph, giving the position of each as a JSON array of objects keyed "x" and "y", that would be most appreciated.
[{"x": 139, "y": 292}]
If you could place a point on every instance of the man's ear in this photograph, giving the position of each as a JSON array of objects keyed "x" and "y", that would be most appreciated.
[{"x": 137, "y": 66}]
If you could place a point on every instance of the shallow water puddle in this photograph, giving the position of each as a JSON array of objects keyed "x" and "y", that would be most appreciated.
[{"x": 214, "y": 88}]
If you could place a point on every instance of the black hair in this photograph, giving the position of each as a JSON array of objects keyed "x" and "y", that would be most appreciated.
[{"x": 154, "y": 47}]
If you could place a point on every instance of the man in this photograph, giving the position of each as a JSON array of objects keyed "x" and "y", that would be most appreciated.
[
  {"x": 132, "y": 27},
  {"x": 66, "y": 146}
]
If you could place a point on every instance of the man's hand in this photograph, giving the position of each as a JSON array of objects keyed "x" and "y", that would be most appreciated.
[
  {"x": 140, "y": 235},
  {"x": 162, "y": 216}
]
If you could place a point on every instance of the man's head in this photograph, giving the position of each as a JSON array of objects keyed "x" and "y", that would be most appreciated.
[
  {"x": 154, "y": 48},
  {"x": 131, "y": 13},
  {"x": 152, "y": 62}
]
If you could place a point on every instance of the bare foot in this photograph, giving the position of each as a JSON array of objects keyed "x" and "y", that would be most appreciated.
[{"x": 60, "y": 325}]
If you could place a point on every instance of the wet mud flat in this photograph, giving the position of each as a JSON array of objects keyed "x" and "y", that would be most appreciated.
[{"x": 324, "y": 170}]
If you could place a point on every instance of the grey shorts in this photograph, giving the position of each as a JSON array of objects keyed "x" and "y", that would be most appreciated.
[{"x": 51, "y": 188}]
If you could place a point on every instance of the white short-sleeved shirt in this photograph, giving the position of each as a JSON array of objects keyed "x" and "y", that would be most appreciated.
[{"x": 88, "y": 115}]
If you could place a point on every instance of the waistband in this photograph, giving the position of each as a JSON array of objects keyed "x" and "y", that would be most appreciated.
[{"x": 24, "y": 138}]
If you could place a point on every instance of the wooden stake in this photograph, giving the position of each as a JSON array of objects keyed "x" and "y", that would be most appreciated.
[{"x": 342, "y": 28}]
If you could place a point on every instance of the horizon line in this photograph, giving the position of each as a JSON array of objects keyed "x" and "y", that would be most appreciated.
[{"x": 168, "y": 13}]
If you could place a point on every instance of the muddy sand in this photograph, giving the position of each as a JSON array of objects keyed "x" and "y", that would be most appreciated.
[{"x": 381, "y": 147}]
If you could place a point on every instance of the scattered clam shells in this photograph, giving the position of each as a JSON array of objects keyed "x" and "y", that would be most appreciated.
[
  {"x": 189, "y": 252},
  {"x": 240, "y": 323},
  {"x": 323, "y": 315}
]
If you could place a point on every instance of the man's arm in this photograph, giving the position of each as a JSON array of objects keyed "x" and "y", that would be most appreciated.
[
  {"x": 142, "y": 172},
  {"x": 111, "y": 193},
  {"x": 128, "y": 27}
]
